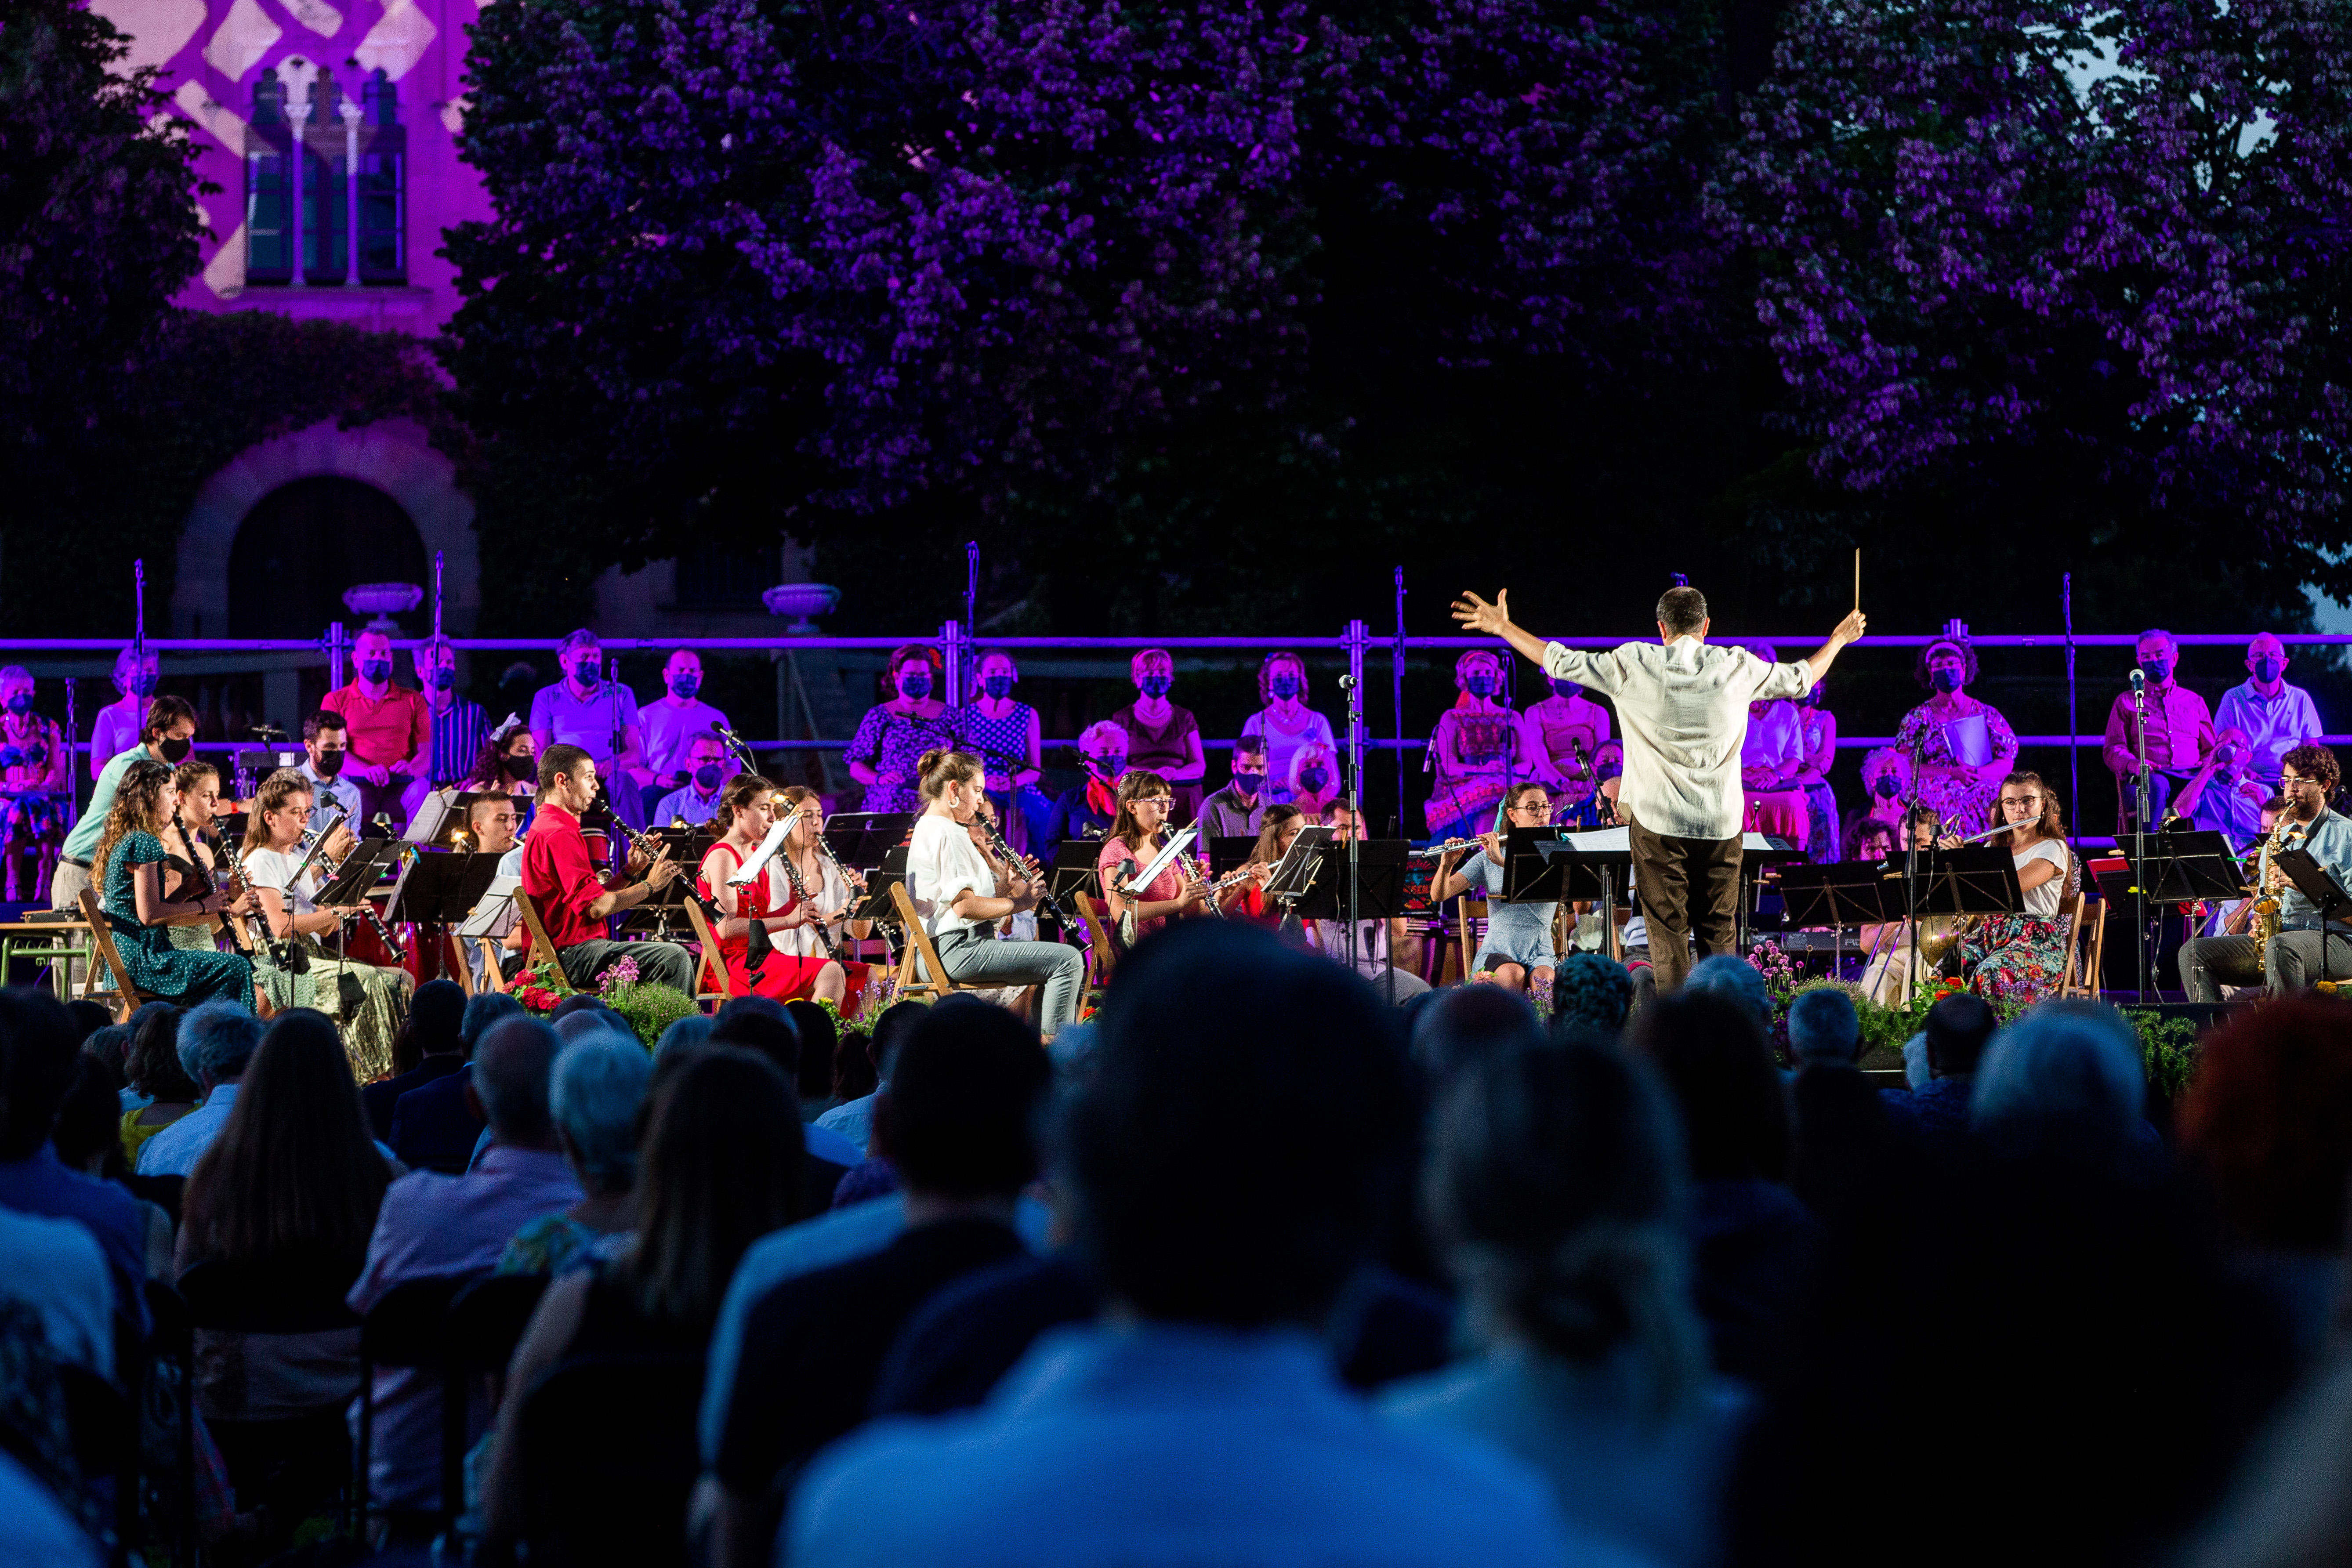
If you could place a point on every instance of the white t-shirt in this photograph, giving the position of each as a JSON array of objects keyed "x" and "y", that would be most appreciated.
[
  {"x": 941, "y": 862},
  {"x": 1684, "y": 707},
  {"x": 1281, "y": 745},
  {"x": 800, "y": 942},
  {"x": 275, "y": 869},
  {"x": 2041, "y": 903},
  {"x": 668, "y": 731}
]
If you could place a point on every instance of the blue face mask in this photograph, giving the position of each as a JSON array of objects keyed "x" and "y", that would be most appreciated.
[
  {"x": 915, "y": 683},
  {"x": 20, "y": 703},
  {"x": 1155, "y": 685},
  {"x": 707, "y": 777},
  {"x": 1478, "y": 684},
  {"x": 1283, "y": 686},
  {"x": 143, "y": 684},
  {"x": 2158, "y": 670},
  {"x": 998, "y": 686},
  {"x": 443, "y": 678},
  {"x": 1312, "y": 780},
  {"x": 588, "y": 671},
  {"x": 1566, "y": 688},
  {"x": 1887, "y": 787},
  {"x": 684, "y": 687},
  {"x": 1944, "y": 679},
  {"x": 1249, "y": 784},
  {"x": 375, "y": 670},
  {"x": 2267, "y": 669}
]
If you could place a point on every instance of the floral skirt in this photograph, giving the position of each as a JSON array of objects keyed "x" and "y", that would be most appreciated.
[{"x": 2013, "y": 958}]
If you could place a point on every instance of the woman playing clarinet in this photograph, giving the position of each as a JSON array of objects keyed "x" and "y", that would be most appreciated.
[{"x": 750, "y": 916}]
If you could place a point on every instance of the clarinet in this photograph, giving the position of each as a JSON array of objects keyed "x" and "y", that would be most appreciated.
[
  {"x": 1035, "y": 872},
  {"x": 800, "y": 890}
]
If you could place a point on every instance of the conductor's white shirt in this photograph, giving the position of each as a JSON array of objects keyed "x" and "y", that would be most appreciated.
[{"x": 1683, "y": 706}]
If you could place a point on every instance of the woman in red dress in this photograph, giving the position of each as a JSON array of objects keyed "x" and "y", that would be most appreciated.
[
  {"x": 748, "y": 810},
  {"x": 1249, "y": 901}
]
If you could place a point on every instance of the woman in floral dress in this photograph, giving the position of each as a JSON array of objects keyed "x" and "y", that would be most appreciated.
[
  {"x": 1941, "y": 732},
  {"x": 894, "y": 735},
  {"x": 2021, "y": 957}
]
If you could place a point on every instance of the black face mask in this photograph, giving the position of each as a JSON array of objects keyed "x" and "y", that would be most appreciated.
[
  {"x": 21, "y": 703},
  {"x": 175, "y": 752},
  {"x": 376, "y": 669},
  {"x": 2158, "y": 670},
  {"x": 915, "y": 687},
  {"x": 1887, "y": 787},
  {"x": 2268, "y": 668},
  {"x": 707, "y": 777},
  {"x": 1945, "y": 680},
  {"x": 588, "y": 671},
  {"x": 519, "y": 767},
  {"x": 443, "y": 678},
  {"x": 328, "y": 764}
]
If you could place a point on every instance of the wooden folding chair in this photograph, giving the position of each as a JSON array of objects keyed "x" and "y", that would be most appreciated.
[
  {"x": 125, "y": 998},
  {"x": 1457, "y": 960},
  {"x": 542, "y": 950},
  {"x": 1101, "y": 957},
  {"x": 722, "y": 989},
  {"x": 919, "y": 945},
  {"x": 2087, "y": 952}
]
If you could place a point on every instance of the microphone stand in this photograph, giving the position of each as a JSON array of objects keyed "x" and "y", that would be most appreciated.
[
  {"x": 1356, "y": 834},
  {"x": 2139, "y": 828}
]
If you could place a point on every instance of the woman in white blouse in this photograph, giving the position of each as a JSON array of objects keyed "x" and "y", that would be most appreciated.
[
  {"x": 2021, "y": 957},
  {"x": 960, "y": 894}
]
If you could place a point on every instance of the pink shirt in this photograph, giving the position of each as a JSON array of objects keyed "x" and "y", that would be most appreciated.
[
  {"x": 384, "y": 731},
  {"x": 2180, "y": 730},
  {"x": 435, "y": 1224},
  {"x": 1167, "y": 885}
]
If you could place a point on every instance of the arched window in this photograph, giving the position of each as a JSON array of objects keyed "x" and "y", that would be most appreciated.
[
  {"x": 383, "y": 195},
  {"x": 317, "y": 206},
  {"x": 268, "y": 216}
]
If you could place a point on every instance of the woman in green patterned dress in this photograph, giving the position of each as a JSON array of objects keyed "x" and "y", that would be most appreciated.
[{"x": 131, "y": 858}]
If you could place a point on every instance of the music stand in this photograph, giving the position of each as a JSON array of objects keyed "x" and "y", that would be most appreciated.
[
  {"x": 1973, "y": 879},
  {"x": 2182, "y": 867},
  {"x": 361, "y": 869},
  {"x": 441, "y": 814},
  {"x": 441, "y": 887},
  {"x": 2316, "y": 883},
  {"x": 1837, "y": 895},
  {"x": 1072, "y": 870},
  {"x": 1530, "y": 875},
  {"x": 861, "y": 838},
  {"x": 1295, "y": 872},
  {"x": 892, "y": 871},
  {"x": 1380, "y": 882}
]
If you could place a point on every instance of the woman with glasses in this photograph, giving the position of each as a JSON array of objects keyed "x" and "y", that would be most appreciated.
[
  {"x": 1518, "y": 954},
  {"x": 2021, "y": 957},
  {"x": 1477, "y": 750},
  {"x": 1138, "y": 834},
  {"x": 1962, "y": 747}
]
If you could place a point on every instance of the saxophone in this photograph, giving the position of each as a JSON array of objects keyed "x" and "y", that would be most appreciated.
[{"x": 2264, "y": 924}]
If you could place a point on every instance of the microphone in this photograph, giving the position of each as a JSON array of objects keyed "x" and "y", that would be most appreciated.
[{"x": 2139, "y": 679}]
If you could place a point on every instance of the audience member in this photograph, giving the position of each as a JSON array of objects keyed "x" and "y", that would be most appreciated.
[
  {"x": 431, "y": 1045},
  {"x": 761, "y": 1024},
  {"x": 1227, "y": 1177},
  {"x": 436, "y": 1225},
  {"x": 1843, "y": 1133},
  {"x": 53, "y": 1269},
  {"x": 818, "y": 1036},
  {"x": 1734, "y": 978},
  {"x": 855, "y": 1073},
  {"x": 958, "y": 1122},
  {"x": 153, "y": 1069},
  {"x": 434, "y": 1127},
  {"x": 854, "y": 1119},
  {"x": 1557, "y": 1188},
  {"x": 290, "y": 1188},
  {"x": 1467, "y": 1021},
  {"x": 683, "y": 1034},
  {"x": 1958, "y": 1029},
  {"x": 597, "y": 1094},
  {"x": 1590, "y": 991},
  {"x": 717, "y": 1174},
  {"x": 215, "y": 1040},
  {"x": 88, "y": 1137},
  {"x": 1753, "y": 1240},
  {"x": 2066, "y": 1074}
]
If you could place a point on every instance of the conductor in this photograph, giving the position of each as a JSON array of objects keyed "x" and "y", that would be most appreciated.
[{"x": 1683, "y": 704}]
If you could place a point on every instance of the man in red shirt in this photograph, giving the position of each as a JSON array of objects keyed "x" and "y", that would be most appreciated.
[
  {"x": 390, "y": 730},
  {"x": 574, "y": 905}
]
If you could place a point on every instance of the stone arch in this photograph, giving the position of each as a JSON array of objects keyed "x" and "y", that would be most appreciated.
[{"x": 394, "y": 456}]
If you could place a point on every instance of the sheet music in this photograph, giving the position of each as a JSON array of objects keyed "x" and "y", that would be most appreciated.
[
  {"x": 495, "y": 915},
  {"x": 1620, "y": 841},
  {"x": 1177, "y": 844},
  {"x": 749, "y": 871},
  {"x": 1969, "y": 739}
]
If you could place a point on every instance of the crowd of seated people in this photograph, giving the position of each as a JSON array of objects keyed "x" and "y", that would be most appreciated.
[{"x": 1251, "y": 1266}]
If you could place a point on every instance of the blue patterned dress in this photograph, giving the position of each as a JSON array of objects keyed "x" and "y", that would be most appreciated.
[
  {"x": 1023, "y": 809},
  {"x": 156, "y": 967}
]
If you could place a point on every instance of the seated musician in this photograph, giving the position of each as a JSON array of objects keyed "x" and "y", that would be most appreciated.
[
  {"x": 960, "y": 895},
  {"x": 492, "y": 824},
  {"x": 755, "y": 963},
  {"x": 574, "y": 905},
  {"x": 33, "y": 779},
  {"x": 698, "y": 800},
  {"x": 1247, "y": 901},
  {"x": 130, "y": 860},
  {"x": 2293, "y": 959},
  {"x": 1518, "y": 954},
  {"x": 837, "y": 888},
  {"x": 193, "y": 855},
  {"x": 297, "y": 968},
  {"x": 326, "y": 747},
  {"x": 1138, "y": 835},
  {"x": 2021, "y": 957},
  {"x": 1376, "y": 939}
]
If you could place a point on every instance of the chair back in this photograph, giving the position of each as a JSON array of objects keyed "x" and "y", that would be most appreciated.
[
  {"x": 711, "y": 962},
  {"x": 542, "y": 950},
  {"x": 934, "y": 981},
  {"x": 125, "y": 998},
  {"x": 163, "y": 1192},
  {"x": 610, "y": 1457},
  {"x": 487, "y": 1320},
  {"x": 1100, "y": 946},
  {"x": 263, "y": 1298},
  {"x": 408, "y": 1327}
]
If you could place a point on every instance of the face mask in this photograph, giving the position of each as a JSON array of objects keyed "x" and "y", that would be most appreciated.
[
  {"x": 1945, "y": 680},
  {"x": 998, "y": 685},
  {"x": 1609, "y": 769},
  {"x": 1249, "y": 784},
  {"x": 915, "y": 683},
  {"x": 1887, "y": 787},
  {"x": 143, "y": 686},
  {"x": 443, "y": 678},
  {"x": 22, "y": 702},
  {"x": 684, "y": 686},
  {"x": 1476, "y": 685},
  {"x": 375, "y": 670},
  {"x": 176, "y": 751},
  {"x": 588, "y": 671},
  {"x": 1313, "y": 779},
  {"x": 2269, "y": 668},
  {"x": 328, "y": 764},
  {"x": 1155, "y": 685},
  {"x": 1283, "y": 686},
  {"x": 707, "y": 777},
  {"x": 519, "y": 767},
  {"x": 2158, "y": 670},
  {"x": 1566, "y": 688}
]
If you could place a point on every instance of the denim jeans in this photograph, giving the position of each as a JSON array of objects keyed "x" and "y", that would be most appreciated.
[{"x": 974, "y": 957}]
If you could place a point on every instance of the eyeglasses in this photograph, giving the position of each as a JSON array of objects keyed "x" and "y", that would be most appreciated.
[
  {"x": 2031, "y": 802},
  {"x": 1164, "y": 802}
]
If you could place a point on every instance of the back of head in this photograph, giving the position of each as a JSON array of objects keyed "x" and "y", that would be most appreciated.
[
  {"x": 88, "y": 1129},
  {"x": 1556, "y": 1187},
  {"x": 592, "y": 1024},
  {"x": 89, "y": 1016},
  {"x": 1824, "y": 1028},
  {"x": 960, "y": 1117},
  {"x": 890, "y": 1031},
  {"x": 1590, "y": 991},
  {"x": 596, "y": 1092},
  {"x": 437, "y": 1019},
  {"x": 2066, "y": 1075},
  {"x": 817, "y": 1037},
  {"x": 2268, "y": 1121},
  {"x": 760, "y": 1024},
  {"x": 483, "y": 1009},
  {"x": 1958, "y": 1029},
  {"x": 510, "y": 1077},
  {"x": 578, "y": 1002},
  {"x": 694, "y": 1029},
  {"x": 720, "y": 1169},
  {"x": 110, "y": 1049},
  {"x": 1682, "y": 610},
  {"x": 1714, "y": 1057},
  {"x": 154, "y": 1068},
  {"x": 1723, "y": 975},
  {"x": 1464, "y": 1022},
  {"x": 293, "y": 1174},
  {"x": 36, "y": 1035},
  {"x": 217, "y": 1040},
  {"x": 1233, "y": 1163}
]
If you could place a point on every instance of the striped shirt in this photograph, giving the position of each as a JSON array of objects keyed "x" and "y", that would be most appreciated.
[{"x": 458, "y": 737}]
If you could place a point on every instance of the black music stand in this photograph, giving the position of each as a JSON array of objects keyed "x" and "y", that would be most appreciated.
[
  {"x": 1972, "y": 879},
  {"x": 890, "y": 872},
  {"x": 861, "y": 838},
  {"x": 1298, "y": 868},
  {"x": 361, "y": 869},
  {"x": 1380, "y": 882},
  {"x": 1840, "y": 894},
  {"x": 2182, "y": 867},
  {"x": 441, "y": 887},
  {"x": 1073, "y": 869},
  {"x": 1230, "y": 852},
  {"x": 2319, "y": 884},
  {"x": 1531, "y": 874}
]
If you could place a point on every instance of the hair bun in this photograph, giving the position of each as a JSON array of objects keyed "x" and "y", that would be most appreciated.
[{"x": 933, "y": 759}]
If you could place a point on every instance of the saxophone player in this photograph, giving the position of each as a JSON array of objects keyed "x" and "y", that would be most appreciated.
[{"x": 2294, "y": 958}]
